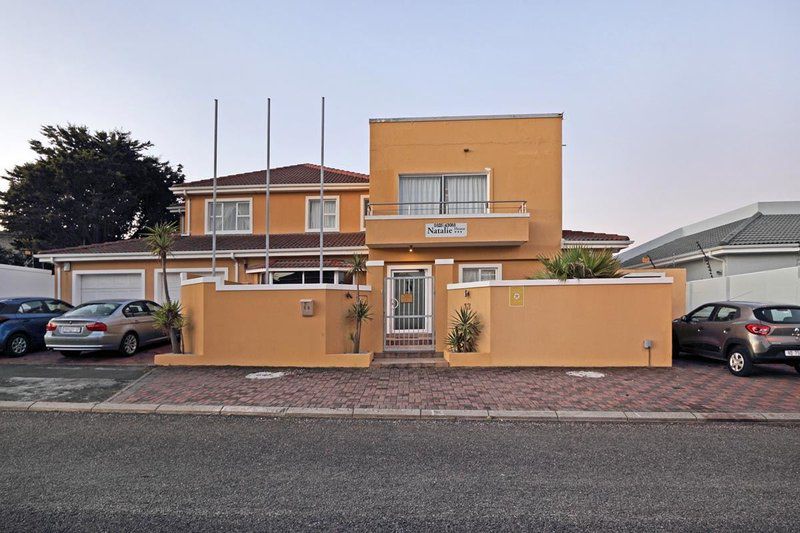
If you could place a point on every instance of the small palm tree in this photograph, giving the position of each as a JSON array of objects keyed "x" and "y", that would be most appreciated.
[
  {"x": 160, "y": 241},
  {"x": 579, "y": 263},
  {"x": 360, "y": 310},
  {"x": 465, "y": 328}
]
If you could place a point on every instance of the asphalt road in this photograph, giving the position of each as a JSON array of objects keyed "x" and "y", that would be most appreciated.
[
  {"x": 65, "y": 383},
  {"x": 167, "y": 473}
]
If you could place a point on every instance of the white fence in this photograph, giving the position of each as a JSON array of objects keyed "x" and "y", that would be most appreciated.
[
  {"x": 781, "y": 285},
  {"x": 24, "y": 281}
]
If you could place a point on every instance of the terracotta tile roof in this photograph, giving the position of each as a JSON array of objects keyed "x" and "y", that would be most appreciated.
[
  {"x": 202, "y": 243},
  {"x": 303, "y": 262},
  {"x": 573, "y": 235},
  {"x": 302, "y": 174}
]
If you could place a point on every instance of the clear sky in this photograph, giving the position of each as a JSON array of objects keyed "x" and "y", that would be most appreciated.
[{"x": 675, "y": 111}]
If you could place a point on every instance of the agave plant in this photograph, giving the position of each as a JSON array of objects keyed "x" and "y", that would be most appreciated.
[
  {"x": 465, "y": 328},
  {"x": 579, "y": 263}
]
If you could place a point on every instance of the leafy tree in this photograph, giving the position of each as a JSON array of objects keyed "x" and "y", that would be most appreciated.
[{"x": 86, "y": 187}]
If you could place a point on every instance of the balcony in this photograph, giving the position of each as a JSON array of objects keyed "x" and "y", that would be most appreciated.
[{"x": 429, "y": 224}]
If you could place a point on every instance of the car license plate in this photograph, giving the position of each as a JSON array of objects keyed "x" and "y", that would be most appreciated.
[
  {"x": 792, "y": 353},
  {"x": 71, "y": 329}
]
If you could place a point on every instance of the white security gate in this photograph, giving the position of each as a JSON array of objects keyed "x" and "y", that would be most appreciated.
[
  {"x": 100, "y": 286},
  {"x": 408, "y": 311}
]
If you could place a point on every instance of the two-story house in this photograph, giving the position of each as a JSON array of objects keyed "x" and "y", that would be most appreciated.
[{"x": 476, "y": 196}]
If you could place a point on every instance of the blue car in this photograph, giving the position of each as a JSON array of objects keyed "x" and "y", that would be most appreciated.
[{"x": 23, "y": 322}]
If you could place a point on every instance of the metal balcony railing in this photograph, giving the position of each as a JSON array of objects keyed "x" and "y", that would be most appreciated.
[{"x": 447, "y": 208}]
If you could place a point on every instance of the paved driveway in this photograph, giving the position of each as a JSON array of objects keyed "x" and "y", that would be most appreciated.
[
  {"x": 47, "y": 357},
  {"x": 65, "y": 383},
  {"x": 691, "y": 385}
]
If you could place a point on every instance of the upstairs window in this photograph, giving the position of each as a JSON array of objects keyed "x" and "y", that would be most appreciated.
[
  {"x": 440, "y": 194},
  {"x": 232, "y": 216},
  {"x": 330, "y": 215}
]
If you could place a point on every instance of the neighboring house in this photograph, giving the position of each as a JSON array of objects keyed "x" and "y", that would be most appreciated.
[
  {"x": 755, "y": 238},
  {"x": 496, "y": 179}
]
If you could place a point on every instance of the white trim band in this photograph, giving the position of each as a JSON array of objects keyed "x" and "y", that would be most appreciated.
[{"x": 556, "y": 282}]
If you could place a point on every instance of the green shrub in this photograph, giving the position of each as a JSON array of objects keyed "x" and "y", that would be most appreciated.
[
  {"x": 465, "y": 328},
  {"x": 579, "y": 263}
]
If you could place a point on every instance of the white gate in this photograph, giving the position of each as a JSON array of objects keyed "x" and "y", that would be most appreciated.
[{"x": 408, "y": 311}]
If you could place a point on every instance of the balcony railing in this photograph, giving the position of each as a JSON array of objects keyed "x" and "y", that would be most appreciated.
[{"x": 447, "y": 208}]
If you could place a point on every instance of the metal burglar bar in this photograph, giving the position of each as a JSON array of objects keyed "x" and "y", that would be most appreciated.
[{"x": 408, "y": 317}]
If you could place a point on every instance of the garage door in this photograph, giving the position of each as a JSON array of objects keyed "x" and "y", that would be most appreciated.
[
  {"x": 174, "y": 283},
  {"x": 100, "y": 286}
]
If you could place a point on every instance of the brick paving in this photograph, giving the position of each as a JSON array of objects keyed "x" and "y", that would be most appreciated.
[
  {"x": 691, "y": 385},
  {"x": 141, "y": 358}
]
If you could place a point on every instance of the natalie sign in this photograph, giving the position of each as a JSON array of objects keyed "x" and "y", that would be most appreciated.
[{"x": 446, "y": 229}]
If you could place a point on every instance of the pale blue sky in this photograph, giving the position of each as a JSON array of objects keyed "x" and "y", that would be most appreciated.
[{"x": 674, "y": 110}]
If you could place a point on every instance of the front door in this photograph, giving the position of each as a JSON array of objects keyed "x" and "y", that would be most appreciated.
[{"x": 409, "y": 309}]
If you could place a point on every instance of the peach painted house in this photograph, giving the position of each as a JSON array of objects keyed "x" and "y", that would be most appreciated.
[{"x": 449, "y": 202}]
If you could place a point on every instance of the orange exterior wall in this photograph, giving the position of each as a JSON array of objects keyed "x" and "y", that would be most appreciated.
[
  {"x": 570, "y": 325},
  {"x": 524, "y": 156},
  {"x": 678, "y": 276},
  {"x": 265, "y": 328},
  {"x": 287, "y": 210}
]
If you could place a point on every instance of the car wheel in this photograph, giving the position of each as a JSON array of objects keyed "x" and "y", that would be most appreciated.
[
  {"x": 129, "y": 344},
  {"x": 17, "y": 345},
  {"x": 739, "y": 361},
  {"x": 70, "y": 353}
]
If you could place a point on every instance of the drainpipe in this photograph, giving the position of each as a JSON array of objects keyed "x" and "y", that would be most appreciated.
[{"x": 235, "y": 267}]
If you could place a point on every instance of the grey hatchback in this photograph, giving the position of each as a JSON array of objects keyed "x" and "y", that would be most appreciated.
[
  {"x": 122, "y": 325},
  {"x": 742, "y": 333}
]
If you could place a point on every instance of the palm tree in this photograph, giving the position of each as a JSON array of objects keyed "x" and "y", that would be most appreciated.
[
  {"x": 579, "y": 263},
  {"x": 360, "y": 310},
  {"x": 160, "y": 241}
]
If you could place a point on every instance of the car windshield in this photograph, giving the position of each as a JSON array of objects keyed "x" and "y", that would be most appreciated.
[
  {"x": 93, "y": 309},
  {"x": 779, "y": 315}
]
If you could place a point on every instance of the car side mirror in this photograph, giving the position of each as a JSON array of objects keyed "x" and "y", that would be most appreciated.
[{"x": 684, "y": 318}]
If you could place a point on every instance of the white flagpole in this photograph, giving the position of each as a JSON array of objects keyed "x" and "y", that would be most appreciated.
[
  {"x": 321, "y": 189},
  {"x": 266, "y": 201},
  {"x": 214, "y": 198}
]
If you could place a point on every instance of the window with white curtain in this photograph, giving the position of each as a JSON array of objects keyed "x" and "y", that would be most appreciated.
[
  {"x": 330, "y": 215},
  {"x": 231, "y": 216},
  {"x": 480, "y": 273},
  {"x": 443, "y": 194}
]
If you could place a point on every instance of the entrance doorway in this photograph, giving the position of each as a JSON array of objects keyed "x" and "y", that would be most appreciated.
[{"x": 408, "y": 317}]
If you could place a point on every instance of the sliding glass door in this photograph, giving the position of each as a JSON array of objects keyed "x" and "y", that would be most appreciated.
[{"x": 443, "y": 194}]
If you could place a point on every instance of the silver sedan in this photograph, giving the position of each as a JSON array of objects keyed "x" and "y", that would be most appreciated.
[{"x": 122, "y": 325}]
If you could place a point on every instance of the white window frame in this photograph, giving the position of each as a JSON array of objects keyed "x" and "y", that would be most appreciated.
[
  {"x": 308, "y": 209},
  {"x": 497, "y": 266},
  {"x": 228, "y": 200},
  {"x": 363, "y": 212},
  {"x": 442, "y": 175}
]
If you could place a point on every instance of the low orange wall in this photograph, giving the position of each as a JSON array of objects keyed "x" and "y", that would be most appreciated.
[
  {"x": 568, "y": 324},
  {"x": 246, "y": 325}
]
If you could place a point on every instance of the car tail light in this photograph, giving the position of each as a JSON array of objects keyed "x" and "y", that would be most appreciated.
[
  {"x": 758, "y": 329},
  {"x": 50, "y": 326},
  {"x": 97, "y": 326}
]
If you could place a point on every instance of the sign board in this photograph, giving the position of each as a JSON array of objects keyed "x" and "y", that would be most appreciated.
[
  {"x": 516, "y": 296},
  {"x": 406, "y": 298},
  {"x": 445, "y": 229}
]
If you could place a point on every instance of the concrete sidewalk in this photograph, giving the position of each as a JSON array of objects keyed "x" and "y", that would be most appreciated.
[{"x": 399, "y": 414}]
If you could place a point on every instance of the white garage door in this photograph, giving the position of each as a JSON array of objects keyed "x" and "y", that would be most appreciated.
[
  {"x": 100, "y": 286},
  {"x": 174, "y": 283}
]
